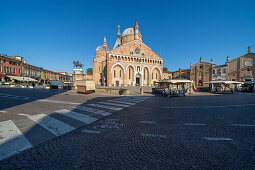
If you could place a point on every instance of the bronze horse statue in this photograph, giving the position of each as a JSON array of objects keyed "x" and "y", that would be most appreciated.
[{"x": 77, "y": 64}]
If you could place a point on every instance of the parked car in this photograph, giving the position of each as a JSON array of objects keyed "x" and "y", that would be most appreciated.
[{"x": 2, "y": 83}]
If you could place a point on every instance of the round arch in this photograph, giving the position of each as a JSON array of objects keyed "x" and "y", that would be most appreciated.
[
  {"x": 129, "y": 66},
  {"x": 156, "y": 67},
  {"x": 146, "y": 67},
  {"x": 120, "y": 66}
]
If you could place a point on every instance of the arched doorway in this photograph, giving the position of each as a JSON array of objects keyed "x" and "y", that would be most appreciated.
[
  {"x": 118, "y": 75},
  {"x": 145, "y": 76},
  {"x": 130, "y": 75},
  {"x": 138, "y": 79},
  {"x": 155, "y": 75}
]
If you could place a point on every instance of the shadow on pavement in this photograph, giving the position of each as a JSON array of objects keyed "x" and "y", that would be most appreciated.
[
  {"x": 39, "y": 128},
  {"x": 10, "y": 97}
]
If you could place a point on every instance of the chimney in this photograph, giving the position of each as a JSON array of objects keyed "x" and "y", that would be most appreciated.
[{"x": 249, "y": 49}]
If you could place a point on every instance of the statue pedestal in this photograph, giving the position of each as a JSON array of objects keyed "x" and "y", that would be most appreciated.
[{"x": 77, "y": 75}]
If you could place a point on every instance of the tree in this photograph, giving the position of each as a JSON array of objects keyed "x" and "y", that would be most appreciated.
[
  {"x": 89, "y": 71},
  {"x": 165, "y": 69}
]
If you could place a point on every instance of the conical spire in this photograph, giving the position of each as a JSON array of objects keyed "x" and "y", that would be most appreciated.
[
  {"x": 200, "y": 60},
  {"x": 136, "y": 24},
  {"x": 105, "y": 43},
  {"x": 118, "y": 35},
  {"x": 136, "y": 30}
]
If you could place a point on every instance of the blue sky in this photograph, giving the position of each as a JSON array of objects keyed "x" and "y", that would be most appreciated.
[{"x": 52, "y": 33}]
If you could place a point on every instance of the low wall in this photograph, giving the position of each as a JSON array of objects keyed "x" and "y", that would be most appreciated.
[{"x": 113, "y": 91}]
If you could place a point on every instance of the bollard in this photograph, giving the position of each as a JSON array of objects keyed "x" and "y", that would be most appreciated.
[{"x": 141, "y": 91}]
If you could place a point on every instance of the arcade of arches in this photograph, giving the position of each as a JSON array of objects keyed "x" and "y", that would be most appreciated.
[{"x": 135, "y": 74}]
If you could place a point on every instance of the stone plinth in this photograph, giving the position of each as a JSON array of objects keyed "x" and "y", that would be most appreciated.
[{"x": 77, "y": 76}]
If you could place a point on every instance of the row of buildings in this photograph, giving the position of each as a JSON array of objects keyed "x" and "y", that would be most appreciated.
[
  {"x": 238, "y": 69},
  {"x": 14, "y": 68},
  {"x": 132, "y": 63}
]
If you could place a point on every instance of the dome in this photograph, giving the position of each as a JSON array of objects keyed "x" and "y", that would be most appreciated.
[
  {"x": 102, "y": 48},
  {"x": 130, "y": 31}
]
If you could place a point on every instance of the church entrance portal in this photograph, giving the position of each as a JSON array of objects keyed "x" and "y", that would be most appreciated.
[
  {"x": 138, "y": 81},
  {"x": 117, "y": 83}
]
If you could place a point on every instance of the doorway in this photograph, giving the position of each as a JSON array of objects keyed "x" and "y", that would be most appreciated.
[
  {"x": 137, "y": 81},
  {"x": 117, "y": 83}
]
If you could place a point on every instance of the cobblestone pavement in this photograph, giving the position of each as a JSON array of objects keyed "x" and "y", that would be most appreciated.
[{"x": 193, "y": 132}]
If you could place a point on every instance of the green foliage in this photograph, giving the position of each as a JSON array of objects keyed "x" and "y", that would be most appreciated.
[
  {"x": 89, "y": 71},
  {"x": 165, "y": 69}
]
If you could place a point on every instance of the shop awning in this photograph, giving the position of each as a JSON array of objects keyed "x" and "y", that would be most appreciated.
[
  {"x": 55, "y": 83},
  {"x": 248, "y": 82},
  {"x": 224, "y": 82},
  {"x": 176, "y": 81},
  {"x": 27, "y": 79}
]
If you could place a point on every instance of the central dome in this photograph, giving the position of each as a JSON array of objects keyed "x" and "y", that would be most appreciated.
[
  {"x": 130, "y": 31},
  {"x": 102, "y": 48}
]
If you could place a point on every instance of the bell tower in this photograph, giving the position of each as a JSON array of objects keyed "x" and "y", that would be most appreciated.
[{"x": 136, "y": 30}]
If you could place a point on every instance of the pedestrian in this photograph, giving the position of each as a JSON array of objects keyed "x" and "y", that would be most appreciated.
[{"x": 33, "y": 84}]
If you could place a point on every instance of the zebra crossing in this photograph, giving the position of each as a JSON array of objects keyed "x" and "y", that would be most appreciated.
[
  {"x": 4, "y": 95},
  {"x": 19, "y": 135}
]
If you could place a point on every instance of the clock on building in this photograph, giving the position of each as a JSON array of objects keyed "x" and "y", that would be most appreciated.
[{"x": 137, "y": 50}]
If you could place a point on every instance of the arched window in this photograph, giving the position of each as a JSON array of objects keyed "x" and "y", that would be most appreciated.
[
  {"x": 129, "y": 73},
  {"x": 152, "y": 75},
  {"x": 156, "y": 76},
  {"x": 120, "y": 73},
  {"x": 144, "y": 73},
  {"x": 114, "y": 73}
]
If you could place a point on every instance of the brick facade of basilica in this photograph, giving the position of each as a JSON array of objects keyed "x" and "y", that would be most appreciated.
[{"x": 129, "y": 63}]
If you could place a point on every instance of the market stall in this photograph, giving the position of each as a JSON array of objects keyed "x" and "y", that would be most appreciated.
[
  {"x": 248, "y": 86},
  {"x": 224, "y": 86},
  {"x": 55, "y": 85},
  {"x": 176, "y": 87}
]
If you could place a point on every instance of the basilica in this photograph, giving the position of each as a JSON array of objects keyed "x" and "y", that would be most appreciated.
[{"x": 129, "y": 63}]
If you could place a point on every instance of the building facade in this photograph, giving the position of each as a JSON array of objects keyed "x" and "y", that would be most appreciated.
[
  {"x": 129, "y": 63},
  {"x": 219, "y": 73},
  {"x": 9, "y": 66},
  {"x": 242, "y": 68},
  {"x": 201, "y": 73},
  {"x": 31, "y": 71},
  {"x": 181, "y": 74},
  {"x": 167, "y": 75}
]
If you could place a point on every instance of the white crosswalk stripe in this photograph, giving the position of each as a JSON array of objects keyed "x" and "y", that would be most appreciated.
[
  {"x": 53, "y": 125},
  {"x": 105, "y": 107},
  {"x": 81, "y": 117},
  {"x": 57, "y": 101},
  {"x": 93, "y": 110},
  {"x": 124, "y": 102},
  {"x": 130, "y": 100},
  {"x": 115, "y": 104},
  {"x": 13, "y": 96},
  {"x": 12, "y": 141}
]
